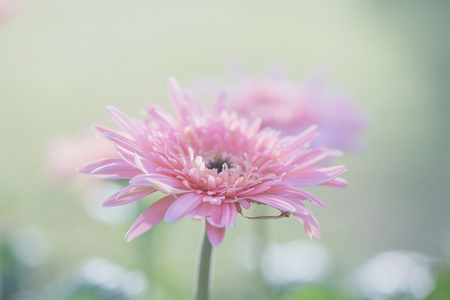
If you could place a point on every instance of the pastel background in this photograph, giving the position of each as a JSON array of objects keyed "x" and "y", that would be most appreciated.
[{"x": 62, "y": 62}]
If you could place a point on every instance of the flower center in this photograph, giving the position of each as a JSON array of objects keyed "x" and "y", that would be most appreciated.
[{"x": 217, "y": 163}]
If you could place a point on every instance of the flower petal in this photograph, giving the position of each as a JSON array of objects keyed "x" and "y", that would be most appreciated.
[
  {"x": 275, "y": 201},
  {"x": 131, "y": 126},
  {"x": 296, "y": 194},
  {"x": 163, "y": 187},
  {"x": 293, "y": 143},
  {"x": 339, "y": 183},
  {"x": 223, "y": 215},
  {"x": 161, "y": 117},
  {"x": 88, "y": 168},
  {"x": 311, "y": 225},
  {"x": 183, "y": 206},
  {"x": 117, "y": 169},
  {"x": 312, "y": 176},
  {"x": 150, "y": 217},
  {"x": 184, "y": 106},
  {"x": 215, "y": 234},
  {"x": 203, "y": 210},
  {"x": 129, "y": 194}
]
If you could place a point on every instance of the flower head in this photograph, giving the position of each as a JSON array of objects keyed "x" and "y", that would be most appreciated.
[
  {"x": 211, "y": 166},
  {"x": 291, "y": 108}
]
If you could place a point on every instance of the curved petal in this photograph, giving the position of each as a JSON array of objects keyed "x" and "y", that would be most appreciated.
[
  {"x": 223, "y": 215},
  {"x": 118, "y": 169},
  {"x": 205, "y": 209},
  {"x": 89, "y": 167},
  {"x": 313, "y": 176},
  {"x": 311, "y": 225},
  {"x": 311, "y": 158},
  {"x": 184, "y": 106},
  {"x": 131, "y": 126},
  {"x": 183, "y": 206},
  {"x": 293, "y": 143},
  {"x": 215, "y": 234},
  {"x": 163, "y": 187},
  {"x": 295, "y": 194},
  {"x": 100, "y": 130},
  {"x": 129, "y": 194},
  {"x": 162, "y": 118},
  {"x": 275, "y": 201},
  {"x": 339, "y": 183},
  {"x": 150, "y": 217}
]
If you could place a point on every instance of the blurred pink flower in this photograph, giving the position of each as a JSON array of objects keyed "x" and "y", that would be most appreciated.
[
  {"x": 211, "y": 166},
  {"x": 65, "y": 154},
  {"x": 290, "y": 107},
  {"x": 8, "y": 8}
]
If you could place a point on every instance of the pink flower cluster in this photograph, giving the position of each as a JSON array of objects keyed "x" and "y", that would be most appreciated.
[{"x": 211, "y": 166}]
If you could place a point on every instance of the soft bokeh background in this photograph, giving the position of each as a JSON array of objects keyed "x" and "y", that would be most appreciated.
[{"x": 62, "y": 62}]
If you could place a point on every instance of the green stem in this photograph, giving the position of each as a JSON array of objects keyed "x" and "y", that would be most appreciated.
[{"x": 204, "y": 273}]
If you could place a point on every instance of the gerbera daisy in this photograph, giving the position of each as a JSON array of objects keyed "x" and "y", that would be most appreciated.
[
  {"x": 292, "y": 107},
  {"x": 211, "y": 166}
]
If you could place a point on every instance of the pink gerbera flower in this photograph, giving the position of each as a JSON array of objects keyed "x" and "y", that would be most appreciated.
[
  {"x": 291, "y": 107},
  {"x": 211, "y": 166}
]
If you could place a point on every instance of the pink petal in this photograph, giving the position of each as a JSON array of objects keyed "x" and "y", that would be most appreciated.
[
  {"x": 131, "y": 126},
  {"x": 184, "y": 205},
  {"x": 299, "y": 141},
  {"x": 184, "y": 106},
  {"x": 118, "y": 169},
  {"x": 311, "y": 158},
  {"x": 215, "y": 234},
  {"x": 299, "y": 207},
  {"x": 223, "y": 215},
  {"x": 311, "y": 225},
  {"x": 102, "y": 130},
  {"x": 305, "y": 195},
  {"x": 127, "y": 144},
  {"x": 203, "y": 210},
  {"x": 244, "y": 203},
  {"x": 129, "y": 194},
  {"x": 338, "y": 183},
  {"x": 312, "y": 176},
  {"x": 88, "y": 168},
  {"x": 177, "y": 97},
  {"x": 275, "y": 201},
  {"x": 150, "y": 217},
  {"x": 147, "y": 180},
  {"x": 162, "y": 118},
  {"x": 296, "y": 194}
]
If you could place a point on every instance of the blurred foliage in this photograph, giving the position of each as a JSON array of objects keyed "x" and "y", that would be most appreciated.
[
  {"x": 319, "y": 292},
  {"x": 442, "y": 290}
]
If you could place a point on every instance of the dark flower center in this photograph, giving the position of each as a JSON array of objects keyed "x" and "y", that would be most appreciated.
[{"x": 217, "y": 163}]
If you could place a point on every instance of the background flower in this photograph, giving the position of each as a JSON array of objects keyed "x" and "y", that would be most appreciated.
[
  {"x": 291, "y": 106},
  {"x": 65, "y": 154}
]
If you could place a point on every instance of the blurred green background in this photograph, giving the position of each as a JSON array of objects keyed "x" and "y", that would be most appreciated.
[{"x": 62, "y": 62}]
